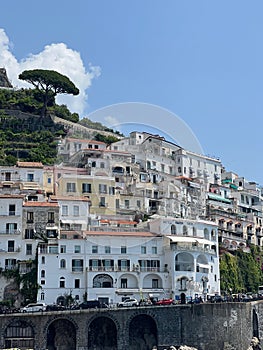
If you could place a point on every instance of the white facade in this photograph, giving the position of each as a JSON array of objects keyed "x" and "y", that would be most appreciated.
[
  {"x": 191, "y": 255},
  {"x": 178, "y": 258}
]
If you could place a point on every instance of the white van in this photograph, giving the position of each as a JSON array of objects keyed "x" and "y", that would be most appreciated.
[{"x": 34, "y": 307}]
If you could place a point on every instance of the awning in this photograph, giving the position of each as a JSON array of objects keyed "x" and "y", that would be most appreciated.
[
  {"x": 72, "y": 222},
  {"x": 216, "y": 197},
  {"x": 203, "y": 266},
  {"x": 187, "y": 239}
]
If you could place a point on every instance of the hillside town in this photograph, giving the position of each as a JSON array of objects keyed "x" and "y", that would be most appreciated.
[{"x": 141, "y": 218}]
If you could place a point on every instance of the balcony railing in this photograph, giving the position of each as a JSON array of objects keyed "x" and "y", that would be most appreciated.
[{"x": 10, "y": 232}]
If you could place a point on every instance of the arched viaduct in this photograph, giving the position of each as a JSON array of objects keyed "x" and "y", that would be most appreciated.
[{"x": 204, "y": 326}]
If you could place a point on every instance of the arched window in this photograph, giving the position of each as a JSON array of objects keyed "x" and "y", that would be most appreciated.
[
  {"x": 62, "y": 263},
  {"x": 43, "y": 260},
  {"x": 173, "y": 229},
  {"x": 102, "y": 281},
  {"x": 184, "y": 262},
  {"x": 185, "y": 230},
  {"x": 62, "y": 282},
  {"x": 206, "y": 233},
  {"x": 213, "y": 235},
  {"x": 43, "y": 273}
]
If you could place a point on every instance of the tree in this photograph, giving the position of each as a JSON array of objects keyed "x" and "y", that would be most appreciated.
[{"x": 49, "y": 83}]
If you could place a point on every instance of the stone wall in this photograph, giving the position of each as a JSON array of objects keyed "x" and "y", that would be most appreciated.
[{"x": 204, "y": 326}]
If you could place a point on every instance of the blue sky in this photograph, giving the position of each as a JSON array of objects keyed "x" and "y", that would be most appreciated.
[{"x": 201, "y": 60}]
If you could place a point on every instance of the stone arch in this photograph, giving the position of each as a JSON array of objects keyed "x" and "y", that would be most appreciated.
[
  {"x": 143, "y": 333},
  {"x": 152, "y": 280},
  {"x": 103, "y": 281},
  {"x": 19, "y": 334},
  {"x": 255, "y": 324},
  {"x": 102, "y": 334},
  {"x": 61, "y": 334},
  {"x": 184, "y": 262}
]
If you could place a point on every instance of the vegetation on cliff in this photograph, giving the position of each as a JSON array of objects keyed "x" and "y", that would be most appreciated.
[{"x": 241, "y": 272}]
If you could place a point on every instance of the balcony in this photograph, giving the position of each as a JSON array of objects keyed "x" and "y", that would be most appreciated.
[{"x": 10, "y": 232}]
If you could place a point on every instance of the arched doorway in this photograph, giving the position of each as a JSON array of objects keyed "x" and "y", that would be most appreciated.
[
  {"x": 61, "y": 334},
  {"x": 142, "y": 333},
  {"x": 102, "y": 334},
  {"x": 19, "y": 334}
]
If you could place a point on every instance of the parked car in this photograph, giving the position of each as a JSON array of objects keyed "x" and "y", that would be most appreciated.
[
  {"x": 165, "y": 302},
  {"x": 128, "y": 302},
  {"x": 90, "y": 304},
  {"x": 34, "y": 307},
  {"x": 217, "y": 299},
  {"x": 55, "y": 307}
]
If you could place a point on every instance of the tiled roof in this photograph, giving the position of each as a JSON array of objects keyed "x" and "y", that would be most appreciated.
[
  {"x": 68, "y": 198},
  {"x": 29, "y": 164},
  {"x": 8, "y": 196},
  {"x": 40, "y": 204},
  {"x": 121, "y": 233}
]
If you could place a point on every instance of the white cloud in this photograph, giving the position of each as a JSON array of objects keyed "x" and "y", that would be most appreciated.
[
  {"x": 111, "y": 121},
  {"x": 56, "y": 57}
]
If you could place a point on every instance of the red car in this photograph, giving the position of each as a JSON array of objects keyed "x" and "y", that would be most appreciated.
[{"x": 165, "y": 302}]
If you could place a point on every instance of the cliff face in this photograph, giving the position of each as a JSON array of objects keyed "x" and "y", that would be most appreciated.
[{"x": 4, "y": 82}]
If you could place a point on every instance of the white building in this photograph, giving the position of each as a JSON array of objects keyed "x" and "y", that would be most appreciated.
[{"x": 191, "y": 255}]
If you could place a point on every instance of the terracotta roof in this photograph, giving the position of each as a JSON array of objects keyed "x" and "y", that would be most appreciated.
[
  {"x": 40, "y": 204},
  {"x": 29, "y": 164},
  {"x": 8, "y": 196},
  {"x": 68, "y": 198},
  {"x": 84, "y": 141},
  {"x": 121, "y": 222},
  {"x": 121, "y": 233}
]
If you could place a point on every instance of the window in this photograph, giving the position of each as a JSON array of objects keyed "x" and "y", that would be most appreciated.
[
  {"x": 107, "y": 250},
  {"x": 77, "y": 265},
  {"x": 43, "y": 260},
  {"x": 12, "y": 209},
  {"x": 77, "y": 283},
  {"x": 43, "y": 274},
  {"x": 30, "y": 177},
  {"x": 43, "y": 282},
  {"x": 50, "y": 217},
  {"x": 173, "y": 230},
  {"x": 29, "y": 233},
  {"x": 102, "y": 188},
  {"x": 71, "y": 187},
  {"x": 102, "y": 165},
  {"x": 49, "y": 180},
  {"x": 143, "y": 249},
  {"x": 29, "y": 217},
  {"x": 77, "y": 249},
  {"x": 185, "y": 231},
  {"x": 102, "y": 202},
  {"x": 28, "y": 249},
  {"x": 62, "y": 282},
  {"x": 123, "y": 250},
  {"x": 63, "y": 249},
  {"x": 94, "y": 249},
  {"x": 111, "y": 190},
  {"x": 86, "y": 188},
  {"x": 117, "y": 203},
  {"x": 11, "y": 228},
  {"x": 62, "y": 263},
  {"x": 11, "y": 246},
  {"x": 138, "y": 204},
  {"x": 75, "y": 210},
  {"x": 124, "y": 282},
  {"x": 126, "y": 203},
  {"x": 155, "y": 283},
  {"x": 154, "y": 250},
  {"x": 64, "y": 210}
]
